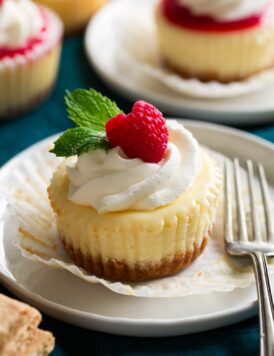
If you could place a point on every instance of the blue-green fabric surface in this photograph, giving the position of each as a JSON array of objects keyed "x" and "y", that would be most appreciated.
[{"x": 50, "y": 118}]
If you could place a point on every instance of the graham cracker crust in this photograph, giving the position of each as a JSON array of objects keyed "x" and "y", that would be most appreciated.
[
  {"x": 19, "y": 332},
  {"x": 210, "y": 76},
  {"x": 119, "y": 271}
]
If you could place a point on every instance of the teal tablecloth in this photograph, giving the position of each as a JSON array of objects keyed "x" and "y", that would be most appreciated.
[{"x": 238, "y": 339}]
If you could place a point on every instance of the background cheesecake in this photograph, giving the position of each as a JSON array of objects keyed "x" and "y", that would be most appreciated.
[
  {"x": 75, "y": 14},
  {"x": 218, "y": 40},
  {"x": 30, "y": 45}
]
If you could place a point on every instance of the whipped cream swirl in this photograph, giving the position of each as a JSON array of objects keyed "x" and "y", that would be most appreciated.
[
  {"x": 225, "y": 10},
  {"x": 109, "y": 181},
  {"x": 20, "y": 20}
]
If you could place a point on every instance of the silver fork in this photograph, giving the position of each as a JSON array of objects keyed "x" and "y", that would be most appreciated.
[{"x": 253, "y": 246}]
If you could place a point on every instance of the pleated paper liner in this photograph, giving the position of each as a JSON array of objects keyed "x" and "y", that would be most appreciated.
[
  {"x": 30, "y": 224},
  {"x": 28, "y": 78},
  {"x": 145, "y": 60}
]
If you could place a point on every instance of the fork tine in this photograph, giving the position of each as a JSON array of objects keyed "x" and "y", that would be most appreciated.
[
  {"x": 257, "y": 235},
  {"x": 228, "y": 204},
  {"x": 267, "y": 204},
  {"x": 240, "y": 205},
  {"x": 256, "y": 250}
]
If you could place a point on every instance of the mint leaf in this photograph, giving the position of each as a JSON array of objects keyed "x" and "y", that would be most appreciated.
[
  {"x": 88, "y": 108},
  {"x": 79, "y": 140},
  {"x": 90, "y": 111}
]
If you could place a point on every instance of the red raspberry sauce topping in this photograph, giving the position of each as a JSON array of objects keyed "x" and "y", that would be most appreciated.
[
  {"x": 29, "y": 45},
  {"x": 181, "y": 16},
  {"x": 142, "y": 133}
]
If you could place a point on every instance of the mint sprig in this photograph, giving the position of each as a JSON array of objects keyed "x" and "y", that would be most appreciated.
[
  {"x": 89, "y": 110},
  {"x": 79, "y": 140}
]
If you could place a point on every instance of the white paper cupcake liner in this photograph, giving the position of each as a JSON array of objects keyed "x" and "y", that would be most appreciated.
[
  {"x": 138, "y": 54},
  {"x": 26, "y": 78},
  {"x": 30, "y": 223}
]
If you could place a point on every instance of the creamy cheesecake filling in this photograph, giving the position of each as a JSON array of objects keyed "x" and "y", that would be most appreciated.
[
  {"x": 108, "y": 181},
  {"x": 140, "y": 237}
]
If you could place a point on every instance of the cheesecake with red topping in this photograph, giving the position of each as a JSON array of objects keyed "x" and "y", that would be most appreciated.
[
  {"x": 217, "y": 40},
  {"x": 30, "y": 43}
]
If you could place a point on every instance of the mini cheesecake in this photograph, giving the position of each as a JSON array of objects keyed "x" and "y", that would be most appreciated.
[
  {"x": 203, "y": 47},
  {"x": 139, "y": 200},
  {"x": 138, "y": 245},
  {"x": 75, "y": 14},
  {"x": 28, "y": 70}
]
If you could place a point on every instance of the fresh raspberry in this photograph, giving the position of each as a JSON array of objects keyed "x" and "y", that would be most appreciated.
[{"x": 142, "y": 133}]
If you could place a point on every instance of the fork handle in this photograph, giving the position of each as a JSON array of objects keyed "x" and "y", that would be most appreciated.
[{"x": 266, "y": 309}]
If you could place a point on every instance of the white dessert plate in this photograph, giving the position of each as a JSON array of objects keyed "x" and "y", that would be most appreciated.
[
  {"x": 109, "y": 57},
  {"x": 68, "y": 298}
]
